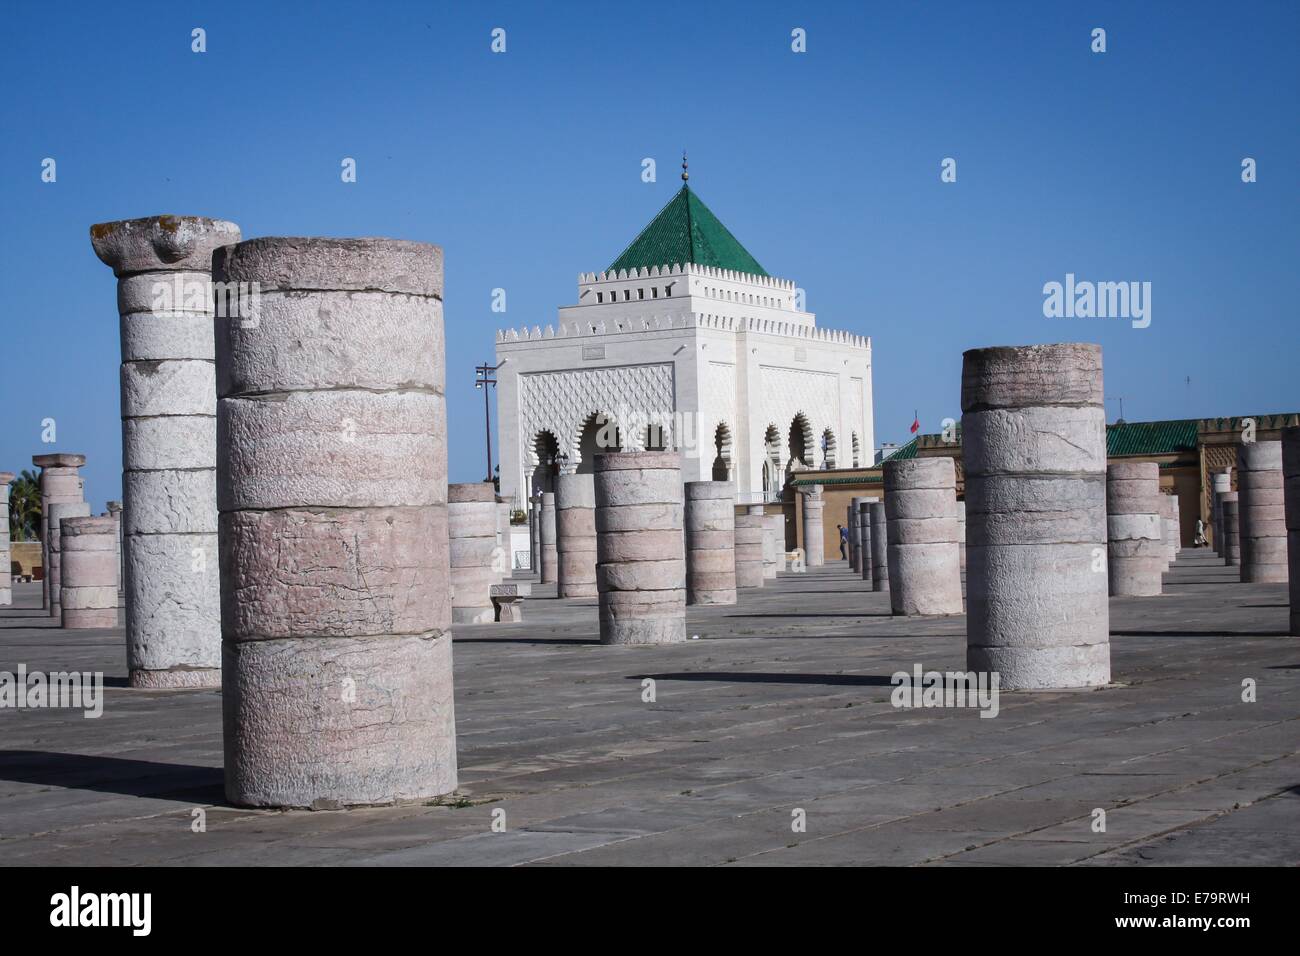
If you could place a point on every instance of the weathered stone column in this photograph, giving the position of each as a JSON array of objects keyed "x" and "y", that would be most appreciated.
[
  {"x": 924, "y": 561},
  {"x": 504, "y": 565},
  {"x": 750, "y": 532},
  {"x": 711, "y": 542},
  {"x": 851, "y": 525},
  {"x": 88, "y": 571},
  {"x": 1134, "y": 551},
  {"x": 472, "y": 540},
  {"x": 546, "y": 528},
  {"x": 1231, "y": 528},
  {"x": 6, "y": 581},
  {"x": 60, "y": 484},
  {"x": 1222, "y": 485},
  {"x": 535, "y": 533},
  {"x": 961, "y": 532},
  {"x": 115, "y": 509},
  {"x": 1261, "y": 512},
  {"x": 640, "y": 553},
  {"x": 165, "y": 300},
  {"x": 1034, "y": 446},
  {"x": 332, "y": 488},
  {"x": 1291, "y": 494},
  {"x": 59, "y": 511},
  {"x": 575, "y": 536},
  {"x": 773, "y": 544},
  {"x": 855, "y": 531},
  {"x": 814, "y": 540},
  {"x": 1170, "y": 528},
  {"x": 864, "y": 538},
  {"x": 879, "y": 547}
]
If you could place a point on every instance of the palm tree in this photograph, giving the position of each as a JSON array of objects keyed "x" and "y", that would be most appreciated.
[{"x": 25, "y": 506}]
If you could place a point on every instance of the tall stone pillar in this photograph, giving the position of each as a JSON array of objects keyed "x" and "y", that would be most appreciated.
[
  {"x": 60, "y": 484},
  {"x": 88, "y": 571},
  {"x": 1034, "y": 446},
  {"x": 115, "y": 509},
  {"x": 1222, "y": 484},
  {"x": 1261, "y": 512},
  {"x": 855, "y": 531},
  {"x": 332, "y": 488},
  {"x": 1133, "y": 510},
  {"x": 879, "y": 547},
  {"x": 864, "y": 538},
  {"x": 924, "y": 561},
  {"x": 472, "y": 547},
  {"x": 640, "y": 553},
  {"x": 575, "y": 536},
  {"x": 60, "y": 511},
  {"x": 1171, "y": 529},
  {"x": 814, "y": 540},
  {"x": 169, "y": 395},
  {"x": 1231, "y": 529},
  {"x": 535, "y": 534},
  {"x": 546, "y": 527},
  {"x": 773, "y": 544},
  {"x": 1291, "y": 494},
  {"x": 961, "y": 532},
  {"x": 750, "y": 532},
  {"x": 6, "y": 560},
  {"x": 503, "y": 566},
  {"x": 710, "y": 542}
]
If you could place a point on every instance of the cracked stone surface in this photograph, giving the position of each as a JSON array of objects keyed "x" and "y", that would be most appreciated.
[{"x": 782, "y": 703}]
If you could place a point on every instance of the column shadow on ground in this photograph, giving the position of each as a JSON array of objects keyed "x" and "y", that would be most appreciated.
[
  {"x": 120, "y": 775},
  {"x": 743, "y": 677}
]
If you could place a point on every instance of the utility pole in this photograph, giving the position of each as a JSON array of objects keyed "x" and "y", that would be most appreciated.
[{"x": 483, "y": 377}]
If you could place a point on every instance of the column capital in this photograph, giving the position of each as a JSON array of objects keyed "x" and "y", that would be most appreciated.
[
  {"x": 60, "y": 459},
  {"x": 161, "y": 243}
]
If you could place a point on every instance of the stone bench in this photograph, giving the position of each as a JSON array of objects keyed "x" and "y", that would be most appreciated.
[{"x": 508, "y": 601}]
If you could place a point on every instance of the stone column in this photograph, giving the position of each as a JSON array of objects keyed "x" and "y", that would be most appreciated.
[
  {"x": 1222, "y": 485},
  {"x": 575, "y": 536},
  {"x": 1034, "y": 446},
  {"x": 1261, "y": 512},
  {"x": 1171, "y": 528},
  {"x": 773, "y": 544},
  {"x": 504, "y": 565},
  {"x": 115, "y": 509},
  {"x": 1133, "y": 509},
  {"x": 60, "y": 484},
  {"x": 1291, "y": 494},
  {"x": 546, "y": 529},
  {"x": 169, "y": 397},
  {"x": 535, "y": 533},
  {"x": 1231, "y": 529},
  {"x": 711, "y": 542},
  {"x": 6, "y": 559},
  {"x": 332, "y": 489},
  {"x": 864, "y": 538},
  {"x": 750, "y": 533},
  {"x": 814, "y": 541},
  {"x": 924, "y": 561},
  {"x": 472, "y": 541},
  {"x": 88, "y": 571},
  {"x": 58, "y": 512},
  {"x": 879, "y": 547},
  {"x": 640, "y": 553},
  {"x": 855, "y": 531},
  {"x": 961, "y": 532}
]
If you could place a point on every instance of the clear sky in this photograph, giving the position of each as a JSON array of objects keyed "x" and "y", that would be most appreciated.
[{"x": 526, "y": 167}]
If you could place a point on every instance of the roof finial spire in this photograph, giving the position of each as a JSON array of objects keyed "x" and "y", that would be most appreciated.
[{"x": 685, "y": 174}]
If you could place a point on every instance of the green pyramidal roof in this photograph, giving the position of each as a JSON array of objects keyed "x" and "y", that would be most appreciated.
[{"x": 685, "y": 231}]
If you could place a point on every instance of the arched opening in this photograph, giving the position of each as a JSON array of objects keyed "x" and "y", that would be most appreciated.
[
  {"x": 772, "y": 478},
  {"x": 722, "y": 458},
  {"x": 857, "y": 451},
  {"x": 546, "y": 462},
  {"x": 828, "y": 449},
  {"x": 800, "y": 443},
  {"x": 599, "y": 434}
]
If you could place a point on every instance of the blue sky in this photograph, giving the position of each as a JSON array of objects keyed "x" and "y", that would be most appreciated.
[{"x": 525, "y": 166}]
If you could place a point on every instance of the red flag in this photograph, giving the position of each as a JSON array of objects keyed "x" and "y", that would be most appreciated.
[{"x": 916, "y": 423}]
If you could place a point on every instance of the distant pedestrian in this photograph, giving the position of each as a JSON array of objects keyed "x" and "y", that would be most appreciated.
[
  {"x": 844, "y": 542},
  {"x": 1200, "y": 541}
]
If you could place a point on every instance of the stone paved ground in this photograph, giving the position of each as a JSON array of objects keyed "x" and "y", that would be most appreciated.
[{"x": 782, "y": 703}]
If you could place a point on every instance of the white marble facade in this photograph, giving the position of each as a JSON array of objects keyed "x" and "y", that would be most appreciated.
[{"x": 747, "y": 386}]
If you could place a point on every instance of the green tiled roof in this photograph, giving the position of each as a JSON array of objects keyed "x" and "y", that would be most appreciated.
[
  {"x": 907, "y": 451},
  {"x": 868, "y": 479},
  {"x": 1150, "y": 438},
  {"x": 687, "y": 231}
]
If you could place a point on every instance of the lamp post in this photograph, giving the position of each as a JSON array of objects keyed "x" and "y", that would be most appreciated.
[{"x": 483, "y": 377}]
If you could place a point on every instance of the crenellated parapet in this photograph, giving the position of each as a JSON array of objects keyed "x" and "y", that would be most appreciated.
[{"x": 667, "y": 322}]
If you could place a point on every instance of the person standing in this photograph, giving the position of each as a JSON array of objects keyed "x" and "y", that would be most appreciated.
[{"x": 844, "y": 541}]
